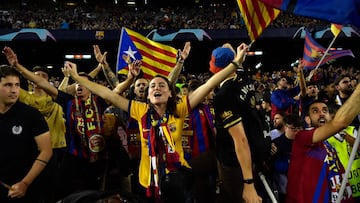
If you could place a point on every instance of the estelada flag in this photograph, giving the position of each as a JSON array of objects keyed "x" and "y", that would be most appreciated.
[{"x": 156, "y": 58}]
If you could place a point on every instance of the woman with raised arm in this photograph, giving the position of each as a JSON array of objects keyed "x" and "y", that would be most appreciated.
[{"x": 161, "y": 121}]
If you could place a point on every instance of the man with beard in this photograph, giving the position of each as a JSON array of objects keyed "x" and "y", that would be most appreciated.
[
  {"x": 315, "y": 172},
  {"x": 138, "y": 93},
  {"x": 345, "y": 89},
  {"x": 279, "y": 126}
]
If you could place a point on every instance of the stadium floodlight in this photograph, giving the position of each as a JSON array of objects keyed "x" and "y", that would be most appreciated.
[
  {"x": 254, "y": 53},
  {"x": 69, "y": 56},
  {"x": 78, "y": 56}
]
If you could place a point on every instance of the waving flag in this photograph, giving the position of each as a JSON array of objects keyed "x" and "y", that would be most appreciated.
[
  {"x": 156, "y": 58},
  {"x": 335, "y": 29},
  {"x": 335, "y": 11},
  {"x": 313, "y": 52},
  {"x": 257, "y": 16}
]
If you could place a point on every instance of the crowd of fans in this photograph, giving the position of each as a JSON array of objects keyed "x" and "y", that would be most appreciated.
[
  {"x": 109, "y": 18},
  {"x": 101, "y": 18}
]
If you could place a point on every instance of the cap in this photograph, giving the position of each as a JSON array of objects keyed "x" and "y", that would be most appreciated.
[{"x": 220, "y": 58}]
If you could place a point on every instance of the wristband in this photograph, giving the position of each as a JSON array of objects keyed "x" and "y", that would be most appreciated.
[
  {"x": 42, "y": 161},
  {"x": 236, "y": 65},
  {"x": 248, "y": 181}
]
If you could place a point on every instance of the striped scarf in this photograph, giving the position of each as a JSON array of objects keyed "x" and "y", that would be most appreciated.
[
  {"x": 201, "y": 123},
  {"x": 86, "y": 129},
  {"x": 162, "y": 154},
  {"x": 336, "y": 172}
]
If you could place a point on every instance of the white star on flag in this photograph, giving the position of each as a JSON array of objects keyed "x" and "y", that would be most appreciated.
[{"x": 131, "y": 53}]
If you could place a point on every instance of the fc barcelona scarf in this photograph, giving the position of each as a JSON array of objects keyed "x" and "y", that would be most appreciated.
[
  {"x": 85, "y": 136},
  {"x": 336, "y": 172},
  {"x": 162, "y": 154}
]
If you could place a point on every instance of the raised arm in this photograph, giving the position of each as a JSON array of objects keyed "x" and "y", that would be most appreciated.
[
  {"x": 100, "y": 58},
  {"x": 95, "y": 71},
  {"x": 39, "y": 81},
  {"x": 64, "y": 85},
  {"x": 134, "y": 71},
  {"x": 102, "y": 91},
  {"x": 175, "y": 72},
  {"x": 200, "y": 93},
  {"x": 301, "y": 78},
  {"x": 109, "y": 74}
]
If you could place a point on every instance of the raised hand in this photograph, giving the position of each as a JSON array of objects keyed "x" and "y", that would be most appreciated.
[
  {"x": 134, "y": 68},
  {"x": 185, "y": 52},
  {"x": 126, "y": 58},
  {"x": 65, "y": 71},
  {"x": 10, "y": 56},
  {"x": 300, "y": 66},
  {"x": 71, "y": 68},
  {"x": 101, "y": 58},
  {"x": 240, "y": 53}
]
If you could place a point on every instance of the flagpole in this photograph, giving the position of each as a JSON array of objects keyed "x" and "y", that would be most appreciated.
[
  {"x": 325, "y": 53},
  {"x": 119, "y": 52},
  {"x": 348, "y": 168}
]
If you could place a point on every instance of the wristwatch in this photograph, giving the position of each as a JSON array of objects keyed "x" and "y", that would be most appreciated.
[{"x": 248, "y": 181}]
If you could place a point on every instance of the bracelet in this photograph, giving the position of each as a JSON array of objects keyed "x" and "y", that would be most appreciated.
[
  {"x": 25, "y": 183},
  {"x": 42, "y": 161},
  {"x": 248, "y": 181},
  {"x": 181, "y": 61},
  {"x": 236, "y": 65}
]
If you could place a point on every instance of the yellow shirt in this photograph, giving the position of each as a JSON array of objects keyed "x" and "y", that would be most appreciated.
[
  {"x": 343, "y": 150},
  {"x": 137, "y": 111},
  {"x": 53, "y": 114}
]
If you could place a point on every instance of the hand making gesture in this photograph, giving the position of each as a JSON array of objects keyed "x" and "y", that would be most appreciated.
[
  {"x": 10, "y": 56},
  {"x": 101, "y": 58}
]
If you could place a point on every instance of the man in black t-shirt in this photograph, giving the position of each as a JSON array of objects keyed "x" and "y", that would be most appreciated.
[
  {"x": 25, "y": 146},
  {"x": 235, "y": 115}
]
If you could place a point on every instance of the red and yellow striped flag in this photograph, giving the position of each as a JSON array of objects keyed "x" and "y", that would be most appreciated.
[
  {"x": 257, "y": 16},
  {"x": 336, "y": 29},
  {"x": 156, "y": 58}
]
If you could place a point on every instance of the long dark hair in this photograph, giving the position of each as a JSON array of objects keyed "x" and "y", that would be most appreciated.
[{"x": 172, "y": 101}]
